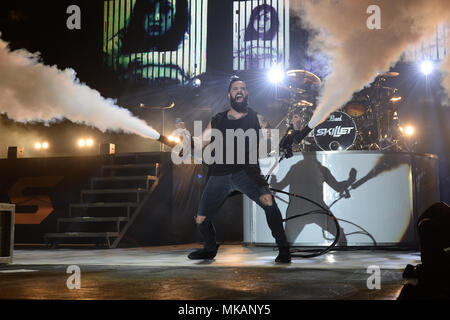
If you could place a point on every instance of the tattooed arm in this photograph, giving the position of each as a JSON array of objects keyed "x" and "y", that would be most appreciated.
[{"x": 264, "y": 125}]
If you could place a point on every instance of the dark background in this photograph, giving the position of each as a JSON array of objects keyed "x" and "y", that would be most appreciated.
[{"x": 40, "y": 26}]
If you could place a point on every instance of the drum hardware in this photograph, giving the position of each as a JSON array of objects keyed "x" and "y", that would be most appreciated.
[
  {"x": 303, "y": 77},
  {"x": 302, "y": 88},
  {"x": 369, "y": 121},
  {"x": 354, "y": 109},
  {"x": 395, "y": 99},
  {"x": 388, "y": 74},
  {"x": 303, "y": 103},
  {"x": 378, "y": 129}
]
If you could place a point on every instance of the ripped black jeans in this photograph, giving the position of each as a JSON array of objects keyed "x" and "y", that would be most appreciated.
[{"x": 217, "y": 190}]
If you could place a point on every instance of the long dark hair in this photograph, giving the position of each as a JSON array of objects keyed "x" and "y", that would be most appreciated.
[
  {"x": 252, "y": 34},
  {"x": 135, "y": 39}
]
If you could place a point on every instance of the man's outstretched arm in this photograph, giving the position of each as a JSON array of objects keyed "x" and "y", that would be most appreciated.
[{"x": 264, "y": 124}]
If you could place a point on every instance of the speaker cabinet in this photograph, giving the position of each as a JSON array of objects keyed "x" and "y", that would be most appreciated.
[
  {"x": 15, "y": 152},
  {"x": 107, "y": 148},
  {"x": 6, "y": 232}
]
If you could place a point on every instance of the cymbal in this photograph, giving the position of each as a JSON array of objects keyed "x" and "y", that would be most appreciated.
[
  {"x": 303, "y": 103},
  {"x": 389, "y": 74},
  {"x": 395, "y": 99},
  {"x": 304, "y": 76}
]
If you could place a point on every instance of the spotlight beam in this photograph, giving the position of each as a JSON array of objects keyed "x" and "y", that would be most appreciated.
[
  {"x": 275, "y": 75},
  {"x": 426, "y": 67}
]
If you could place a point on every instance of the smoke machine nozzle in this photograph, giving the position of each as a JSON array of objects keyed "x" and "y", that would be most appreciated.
[
  {"x": 293, "y": 136},
  {"x": 166, "y": 141}
]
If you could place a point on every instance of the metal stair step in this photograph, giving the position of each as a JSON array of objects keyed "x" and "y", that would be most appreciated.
[
  {"x": 93, "y": 219},
  {"x": 124, "y": 178},
  {"x": 136, "y": 182},
  {"x": 103, "y": 205},
  {"x": 130, "y": 169},
  {"x": 130, "y": 166},
  {"x": 81, "y": 235},
  {"x": 106, "y": 191}
]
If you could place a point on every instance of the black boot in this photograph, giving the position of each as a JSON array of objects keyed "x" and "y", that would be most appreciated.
[
  {"x": 203, "y": 254},
  {"x": 284, "y": 255}
]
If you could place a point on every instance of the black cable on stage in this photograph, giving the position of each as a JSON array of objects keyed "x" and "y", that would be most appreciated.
[
  {"x": 325, "y": 211},
  {"x": 296, "y": 136}
]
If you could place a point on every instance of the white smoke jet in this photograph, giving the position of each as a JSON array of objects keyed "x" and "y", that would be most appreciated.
[
  {"x": 445, "y": 67},
  {"x": 32, "y": 91},
  {"x": 358, "y": 53}
]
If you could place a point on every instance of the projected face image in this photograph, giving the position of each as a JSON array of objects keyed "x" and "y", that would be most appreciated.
[
  {"x": 159, "y": 21},
  {"x": 151, "y": 40},
  {"x": 261, "y": 36},
  {"x": 155, "y": 25},
  {"x": 262, "y": 23}
]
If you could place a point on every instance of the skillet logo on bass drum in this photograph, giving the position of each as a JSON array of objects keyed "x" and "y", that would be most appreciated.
[{"x": 334, "y": 132}]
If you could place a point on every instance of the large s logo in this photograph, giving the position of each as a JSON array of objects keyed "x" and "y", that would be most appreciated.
[{"x": 42, "y": 202}]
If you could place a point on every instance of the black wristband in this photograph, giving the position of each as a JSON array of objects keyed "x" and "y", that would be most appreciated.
[
  {"x": 299, "y": 135},
  {"x": 166, "y": 141}
]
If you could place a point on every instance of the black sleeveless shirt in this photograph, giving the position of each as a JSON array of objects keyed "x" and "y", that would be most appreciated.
[{"x": 250, "y": 121}]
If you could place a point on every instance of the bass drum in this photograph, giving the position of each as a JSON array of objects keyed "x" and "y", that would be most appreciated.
[{"x": 337, "y": 133}]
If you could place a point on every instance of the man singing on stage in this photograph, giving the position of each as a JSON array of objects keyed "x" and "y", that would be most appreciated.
[{"x": 225, "y": 178}]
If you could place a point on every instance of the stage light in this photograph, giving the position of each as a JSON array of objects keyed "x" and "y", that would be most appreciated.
[
  {"x": 409, "y": 130},
  {"x": 41, "y": 145},
  {"x": 426, "y": 67},
  {"x": 275, "y": 75},
  {"x": 89, "y": 142},
  {"x": 174, "y": 139},
  {"x": 395, "y": 99},
  {"x": 196, "y": 83}
]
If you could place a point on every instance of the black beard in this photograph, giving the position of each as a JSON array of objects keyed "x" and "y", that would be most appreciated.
[{"x": 241, "y": 107}]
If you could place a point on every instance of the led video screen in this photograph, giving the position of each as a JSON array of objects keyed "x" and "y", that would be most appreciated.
[
  {"x": 260, "y": 34},
  {"x": 150, "y": 40},
  {"x": 435, "y": 48}
]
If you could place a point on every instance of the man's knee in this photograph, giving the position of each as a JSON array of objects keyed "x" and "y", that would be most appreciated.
[
  {"x": 199, "y": 219},
  {"x": 266, "y": 199}
]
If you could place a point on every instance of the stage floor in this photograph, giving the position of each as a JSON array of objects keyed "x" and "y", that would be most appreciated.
[{"x": 238, "y": 272}]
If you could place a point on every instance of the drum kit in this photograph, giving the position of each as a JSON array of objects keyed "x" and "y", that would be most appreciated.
[{"x": 369, "y": 121}]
